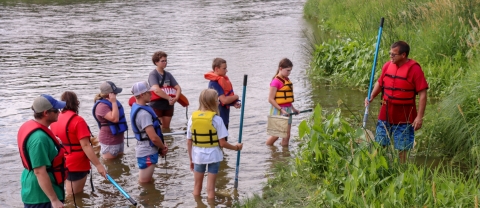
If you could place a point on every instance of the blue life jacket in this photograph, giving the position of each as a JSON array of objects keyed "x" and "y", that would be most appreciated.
[
  {"x": 156, "y": 123},
  {"x": 116, "y": 128}
]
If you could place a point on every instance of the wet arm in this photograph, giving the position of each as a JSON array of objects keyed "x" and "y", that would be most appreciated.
[{"x": 87, "y": 148}]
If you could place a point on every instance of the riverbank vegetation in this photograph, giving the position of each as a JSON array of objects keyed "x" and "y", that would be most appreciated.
[
  {"x": 444, "y": 37},
  {"x": 336, "y": 167},
  {"x": 443, "y": 34},
  {"x": 332, "y": 168}
]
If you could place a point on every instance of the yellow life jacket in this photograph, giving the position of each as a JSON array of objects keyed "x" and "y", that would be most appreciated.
[
  {"x": 284, "y": 94},
  {"x": 204, "y": 133}
]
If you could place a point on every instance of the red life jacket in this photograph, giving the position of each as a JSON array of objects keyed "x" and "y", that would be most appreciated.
[
  {"x": 396, "y": 88},
  {"x": 223, "y": 81},
  {"x": 75, "y": 158},
  {"x": 58, "y": 168}
]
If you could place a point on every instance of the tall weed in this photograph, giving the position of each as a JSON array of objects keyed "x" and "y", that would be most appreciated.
[
  {"x": 440, "y": 32},
  {"x": 454, "y": 124},
  {"x": 339, "y": 171}
]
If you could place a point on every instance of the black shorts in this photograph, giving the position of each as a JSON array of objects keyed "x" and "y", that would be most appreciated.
[
  {"x": 161, "y": 113},
  {"x": 41, "y": 205},
  {"x": 75, "y": 176}
]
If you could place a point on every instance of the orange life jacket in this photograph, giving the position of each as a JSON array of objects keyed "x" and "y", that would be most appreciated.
[
  {"x": 396, "y": 88},
  {"x": 75, "y": 158},
  {"x": 284, "y": 94},
  {"x": 58, "y": 168},
  {"x": 223, "y": 81}
]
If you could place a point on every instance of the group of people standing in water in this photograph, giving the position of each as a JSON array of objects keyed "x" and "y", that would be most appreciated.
[{"x": 56, "y": 149}]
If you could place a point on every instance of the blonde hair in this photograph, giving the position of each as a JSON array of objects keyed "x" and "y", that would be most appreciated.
[
  {"x": 99, "y": 96},
  {"x": 208, "y": 101}
]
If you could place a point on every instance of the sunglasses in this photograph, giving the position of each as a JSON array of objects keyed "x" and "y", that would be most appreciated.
[{"x": 53, "y": 110}]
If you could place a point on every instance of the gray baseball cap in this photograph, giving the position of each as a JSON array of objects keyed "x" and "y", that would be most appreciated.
[
  {"x": 46, "y": 102},
  {"x": 140, "y": 87}
]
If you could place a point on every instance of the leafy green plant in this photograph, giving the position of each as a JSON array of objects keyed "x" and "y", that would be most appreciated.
[
  {"x": 443, "y": 35},
  {"x": 335, "y": 169}
]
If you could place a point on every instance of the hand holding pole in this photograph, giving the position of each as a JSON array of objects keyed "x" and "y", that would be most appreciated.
[{"x": 372, "y": 76}]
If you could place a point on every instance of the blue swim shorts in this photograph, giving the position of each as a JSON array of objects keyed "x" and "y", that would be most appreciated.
[
  {"x": 212, "y": 167},
  {"x": 403, "y": 135},
  {"x": 145, "y": 162}
]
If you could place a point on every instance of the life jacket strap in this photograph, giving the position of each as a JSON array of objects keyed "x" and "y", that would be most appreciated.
[
  {"x": 399, "y": 89},
  {"x": 210, "y": 134},
  {"x": 395, "y": 77}
]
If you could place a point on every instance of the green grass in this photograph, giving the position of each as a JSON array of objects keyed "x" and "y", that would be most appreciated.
[
  {"x": 443, "y": 35},
  {"x": 453, "y": 125},
  {"x": 333, "y": 169}
]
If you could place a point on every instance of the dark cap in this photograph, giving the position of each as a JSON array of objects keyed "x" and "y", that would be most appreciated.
[{"x": 109, "y": 87}]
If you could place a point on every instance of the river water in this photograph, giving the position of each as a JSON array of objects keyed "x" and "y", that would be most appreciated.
[{"x": 52, "y": 46}]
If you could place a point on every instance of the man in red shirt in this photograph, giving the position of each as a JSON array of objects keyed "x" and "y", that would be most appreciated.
[{"x": 401, "y": 80}]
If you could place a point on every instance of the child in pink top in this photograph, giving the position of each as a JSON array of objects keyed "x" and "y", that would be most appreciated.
[{"x": 281, "y": 97}]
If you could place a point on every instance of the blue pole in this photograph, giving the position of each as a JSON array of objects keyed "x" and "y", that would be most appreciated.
[
  {"x": 121, "y": 190},
  {"x": 372, "y": 76},
  {"x": 241, "y": 128}
]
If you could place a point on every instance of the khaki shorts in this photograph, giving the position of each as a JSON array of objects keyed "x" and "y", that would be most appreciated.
[{"x": 112, "y": 149}]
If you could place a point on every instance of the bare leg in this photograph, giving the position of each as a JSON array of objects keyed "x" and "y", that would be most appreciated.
[
  {"x": 286, "y": 140},
  {"x": 271, "y": 140},
  {"x": 197, "y": 187},
  {"x": 165, "y": 122},
  {"x": 145, "y": 175},
  {"x": 211, "y": 185},
  {"x": 77, "y": 185}
]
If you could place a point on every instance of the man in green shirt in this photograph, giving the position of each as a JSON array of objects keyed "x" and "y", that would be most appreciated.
[{"x": 42, "y": 156}]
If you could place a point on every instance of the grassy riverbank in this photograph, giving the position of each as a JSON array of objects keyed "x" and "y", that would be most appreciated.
[
  {"x": 335, "y": 167},
  {"x": 443, "y": 35},
  {"x": 330, "y": 169}
]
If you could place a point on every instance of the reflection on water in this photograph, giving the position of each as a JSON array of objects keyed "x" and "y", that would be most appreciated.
[
  {"x": 201, "y": 202},
  {"x": 150, "y": 195}
]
